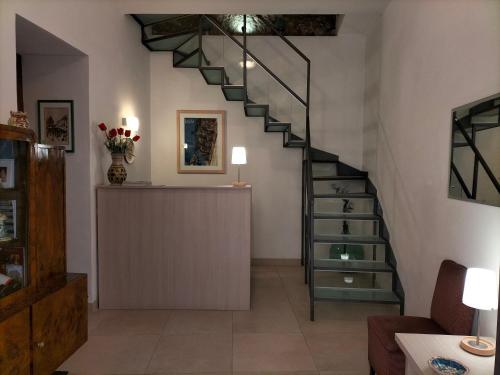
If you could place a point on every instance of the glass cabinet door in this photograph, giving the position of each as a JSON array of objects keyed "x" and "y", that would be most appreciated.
[{"x": 13, "y": 216}]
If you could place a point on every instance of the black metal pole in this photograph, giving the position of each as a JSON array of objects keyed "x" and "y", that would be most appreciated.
[
  {"x": 476, "y": 164},
  {"x": 200, "y": 42},
  {"x": 244, "y": 29}
]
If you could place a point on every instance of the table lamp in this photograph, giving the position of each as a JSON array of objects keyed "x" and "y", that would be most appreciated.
[
  {"x": 239, "y": 157},
  {"x": 480, "y": 293}
]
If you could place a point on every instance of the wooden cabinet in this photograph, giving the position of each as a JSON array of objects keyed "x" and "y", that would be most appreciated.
[
  {"x": 15, "y": 344},
  {"x": 59, "y": 325},
  {"x": 43, "y": 310}
]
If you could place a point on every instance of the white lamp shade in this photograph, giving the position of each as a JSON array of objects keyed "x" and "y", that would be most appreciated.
[
  {"x": 239, "y": 156},
  {"x": 481, "y": 289}
]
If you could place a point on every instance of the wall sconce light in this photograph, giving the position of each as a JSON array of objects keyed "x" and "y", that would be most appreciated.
[
  {"x": 131, "y": 123},
  {"x": 239, "y": 157}
]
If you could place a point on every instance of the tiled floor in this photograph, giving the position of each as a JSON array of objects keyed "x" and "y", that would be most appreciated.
[{"x": 275, "y": 337}]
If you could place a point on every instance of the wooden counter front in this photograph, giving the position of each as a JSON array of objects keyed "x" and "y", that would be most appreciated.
[{"x": 174, "y": 247}]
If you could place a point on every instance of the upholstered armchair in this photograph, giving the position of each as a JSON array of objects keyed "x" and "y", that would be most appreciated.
[{"x": 448, "y": 316}]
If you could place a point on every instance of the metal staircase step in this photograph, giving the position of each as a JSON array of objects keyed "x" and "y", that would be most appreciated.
[
  {"x": 356, "y": 295},
  {"x": 346, "y": 196},
  {"x": 349, "y": 239},
  {"x": 334, "y": 178},
  {"x": 272, "y": 126},
  {"x": 188, "y": 61},
  {"x": 256, "y": 110},
  {"x": 351, "y": 265},
  {"x": 234, "y": 92},
  {"x": 213, "y": 75},
  {"x": 168, "y": 43},
  {"x": 346, "y": 216}
]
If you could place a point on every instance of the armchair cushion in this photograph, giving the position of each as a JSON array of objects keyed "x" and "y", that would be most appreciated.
[
  {"x": 385, "y": 328},
  {"x": 447, "y": 308}
]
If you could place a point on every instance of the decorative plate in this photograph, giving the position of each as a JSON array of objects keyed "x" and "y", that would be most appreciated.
[
  {"x": 129, "y": 152},
  {"x": 446, "y": 366}
]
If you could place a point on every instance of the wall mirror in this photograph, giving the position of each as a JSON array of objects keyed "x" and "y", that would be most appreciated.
[{"x": 475, "y": 152}]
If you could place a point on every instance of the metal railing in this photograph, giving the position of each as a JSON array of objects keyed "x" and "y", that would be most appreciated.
[{"x": 307, "y": 210}]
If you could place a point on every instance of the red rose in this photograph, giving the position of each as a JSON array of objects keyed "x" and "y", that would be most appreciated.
[
  {"x": 136, "y": 138},
  {"x": 127, "y": 133},
  {"x": 120, "y": 131},
  {"x": 112, "y": 133},
  {"x": 102, "y": 126}
]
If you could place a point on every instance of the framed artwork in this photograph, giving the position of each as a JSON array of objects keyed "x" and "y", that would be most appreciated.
[
  {"x": 7, "y": 173},
  {"x": 201, "y": 141},
  {"x": 56, "y": 123}
]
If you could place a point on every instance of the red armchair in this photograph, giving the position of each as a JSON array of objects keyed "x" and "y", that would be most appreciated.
[{"x": 448, "y": 316}]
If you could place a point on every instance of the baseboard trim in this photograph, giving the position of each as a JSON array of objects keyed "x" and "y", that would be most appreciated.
[
  {"x": 275, "y": 262},
  {"x": 93, "y": 306}
]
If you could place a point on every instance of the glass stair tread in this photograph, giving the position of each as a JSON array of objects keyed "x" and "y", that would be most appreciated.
[
  {"x": 460, "y": 144},
  {"x": 168, "y": 43},
  {"x": 272, "y": 126},
  {"x": 191, "y": 60},
  {"x": 356, "y": 295},
  {"x": 213, "y": 74},
  {"x": 346, "y": 216},
  {"x": 348, "y": 239},
  {"x": 234, "y": 92},
  {"x": 346, "y": 195},
  {"x": 351, "y": 265},
  {"x": 333, "y": 178},
  {"x": 256, "y": 110}
]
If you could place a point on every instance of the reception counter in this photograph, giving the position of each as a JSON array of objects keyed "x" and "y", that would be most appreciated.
[{"x": 174, "y": 247}]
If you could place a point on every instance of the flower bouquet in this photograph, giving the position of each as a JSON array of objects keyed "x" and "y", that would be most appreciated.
[{"x": 117, "y": 141}]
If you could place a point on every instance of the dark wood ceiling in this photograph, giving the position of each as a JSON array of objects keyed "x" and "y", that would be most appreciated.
[{"x": 286, "y": 24}]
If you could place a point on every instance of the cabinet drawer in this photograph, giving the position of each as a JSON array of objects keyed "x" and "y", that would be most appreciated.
[
  {"x": 15, "y": 344},
  {"x": 59, "y": 326}
]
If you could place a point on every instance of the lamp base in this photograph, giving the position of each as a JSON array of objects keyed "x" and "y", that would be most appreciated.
[
  {"x": 484, "y": 349},
  {"x": 240, "y": 183}
]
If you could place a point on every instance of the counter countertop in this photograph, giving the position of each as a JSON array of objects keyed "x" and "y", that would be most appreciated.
[{"x": 137, "y": 186}]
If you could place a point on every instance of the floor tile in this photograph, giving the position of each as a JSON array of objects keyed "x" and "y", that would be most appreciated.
[
  {"x": 131, "y": 322},
  {"x": 192, "y": 353},
  {"x": 271, "y": 352},
  {"x": 112, "y": 355},
  {"x": 193, "y": 322},
  {"x": 341, "y": 352},
  {"x": 264, "y": 322}
]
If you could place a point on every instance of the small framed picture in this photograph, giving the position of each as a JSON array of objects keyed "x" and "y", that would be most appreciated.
[
  {"x": 201, "y": 141},
  {"x": 56, "y": 123},
  {"x": 7, "y": 173}
]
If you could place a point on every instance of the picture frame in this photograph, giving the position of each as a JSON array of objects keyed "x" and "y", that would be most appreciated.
[
  {"x": 56, "y": 123},
  {"x": 7, "y": 173},
  {"x": 201, "y": 141}
]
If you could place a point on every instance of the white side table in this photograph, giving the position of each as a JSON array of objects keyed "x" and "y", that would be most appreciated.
[{"x": 418, "y": 349}]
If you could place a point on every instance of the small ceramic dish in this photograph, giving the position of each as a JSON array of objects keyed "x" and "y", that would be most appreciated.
[{"x": 446, "y": 366}]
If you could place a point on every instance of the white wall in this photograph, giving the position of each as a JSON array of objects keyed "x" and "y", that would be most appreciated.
[
  {"x": 119, "y": 85},
  {"x": 436, "y": 55},
  {"x": 274, "y": 172},
  {"x": 56, "y": 78},
  {"x": 118, "y": 80}
]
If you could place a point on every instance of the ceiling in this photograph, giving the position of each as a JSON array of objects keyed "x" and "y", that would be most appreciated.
[{"x": 33, "y": 40}]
